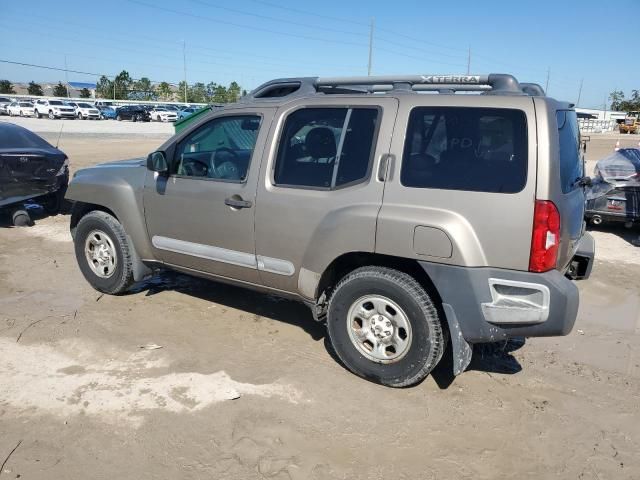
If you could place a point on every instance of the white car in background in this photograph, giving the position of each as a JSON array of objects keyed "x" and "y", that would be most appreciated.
[
  {"x": 4, "y": 103},
  {"x": 85, "y": 111},
  {"x": 20, "y": 109},
  {"x": 53, "y": 109},
  {"x": 162, "y": 114}
]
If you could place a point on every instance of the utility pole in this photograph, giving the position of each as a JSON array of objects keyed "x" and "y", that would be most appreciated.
[
  {"x": 184, "y": 60},
  {"x": 546, "y": 90},
  {"x": 370, "y": 47},
  {"x": 66, "y": 75},
  {"x": 469, "y": 61},
  {"x": 580, "y": 92}
]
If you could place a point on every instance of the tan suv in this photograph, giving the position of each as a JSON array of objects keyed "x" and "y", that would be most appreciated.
[{"x": 407, "y": 220}]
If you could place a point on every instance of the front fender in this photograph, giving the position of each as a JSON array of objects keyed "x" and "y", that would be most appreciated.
[{"x": 120, "y": 192}]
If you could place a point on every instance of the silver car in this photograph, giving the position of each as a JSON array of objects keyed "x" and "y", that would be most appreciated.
[{"x": 409, "y": 223}]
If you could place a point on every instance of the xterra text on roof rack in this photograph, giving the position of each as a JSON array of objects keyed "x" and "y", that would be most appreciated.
[{"x": 409, "y": 222}]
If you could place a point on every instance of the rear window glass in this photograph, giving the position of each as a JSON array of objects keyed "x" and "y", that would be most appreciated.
[
  {"x": 569, "y": 140},
  {"x": 459, "y": 148},
  {"x": 55, "y": 102},
  {"x": 17, "y": 137}
]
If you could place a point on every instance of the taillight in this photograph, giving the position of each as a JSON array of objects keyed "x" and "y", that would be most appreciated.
[{"x": 545, "y": 238}]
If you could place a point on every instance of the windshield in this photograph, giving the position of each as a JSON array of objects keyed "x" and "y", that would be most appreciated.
[
  {"x": 84, "y": 105},
  {"x": 55, "y": 102},
  {"x": 25, "y": 104}
]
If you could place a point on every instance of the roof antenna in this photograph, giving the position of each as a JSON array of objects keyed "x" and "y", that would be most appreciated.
[{"x": 59, "y": 135}]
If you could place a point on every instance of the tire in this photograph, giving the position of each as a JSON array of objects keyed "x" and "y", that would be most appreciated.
[
  {"x": 21, "y": 218},
  {"x": 36, "y": 114},
  {"x": 108, "y": 228},
  {"x": 134, "y": 118},
  {"x": 118, "y": 118},
  {"x": 51, "y": 115},
  {"x": 424, "y": 339}
]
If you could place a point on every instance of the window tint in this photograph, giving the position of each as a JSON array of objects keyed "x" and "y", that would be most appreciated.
[
  {"x": 55, "y": 102},
  {"x": 569, "y": 137},
  {"x": 326, "y": 147},
  {"x": 220, "y": 149},
  {"x": 474, "y": 149}
]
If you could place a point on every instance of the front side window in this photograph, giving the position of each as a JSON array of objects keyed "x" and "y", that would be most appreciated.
[
  {"x": 460, "y": 148},
  {"x": 570, "y": 161},
  {"x": 220, "y": 149},
  {"x": 326, "y": 147}
]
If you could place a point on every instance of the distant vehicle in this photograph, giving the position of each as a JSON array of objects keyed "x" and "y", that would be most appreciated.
[
  {"x": 187, "y": 112},
  {"x": 53, "y": 109},
  {"x": 614, "y": 195},
  {"x": 71, "y": 104},
  {"x": 85, "y": 111},
  {"x": 4, "y": 103},
  {"x": 31, "y": 169},
  {"x": 107, "y": 112},
  {"x": 630, "y": 124},
  {"x": 104, "y": 103},
  {"x": 21, "y": 109},
  {"x": 163, "y": 114},
  {"x": 133, "y": 113}
]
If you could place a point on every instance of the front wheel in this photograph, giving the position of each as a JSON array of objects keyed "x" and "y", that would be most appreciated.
[
  {"x": 103, "y": 254},
  {"x": 118, "y": 118},
  {"x": 51, "y": 115},
  {"x": 385, "y": 327}
]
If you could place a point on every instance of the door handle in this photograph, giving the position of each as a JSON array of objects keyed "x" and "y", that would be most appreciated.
[
  {"x": 238, "y": 202},
  {"x": 385, "y": 166}
]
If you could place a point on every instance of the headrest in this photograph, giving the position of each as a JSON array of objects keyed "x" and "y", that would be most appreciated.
[{"x": 320, "y": 143}]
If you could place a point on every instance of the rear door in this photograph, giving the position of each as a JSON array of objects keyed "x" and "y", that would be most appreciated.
[{"x": 319, "y": 193}]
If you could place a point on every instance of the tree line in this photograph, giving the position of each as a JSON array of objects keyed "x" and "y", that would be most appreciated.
[
  {"x": 621, "y": 104},
  {"x": 35, "y": 89},
  {"x": 123, "y": 87}
]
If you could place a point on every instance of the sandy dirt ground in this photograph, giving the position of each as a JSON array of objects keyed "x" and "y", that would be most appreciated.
[{"x": 246, "y": 387}]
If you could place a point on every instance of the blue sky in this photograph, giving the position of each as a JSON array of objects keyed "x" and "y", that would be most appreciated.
[{"x": 251, "y": 41}]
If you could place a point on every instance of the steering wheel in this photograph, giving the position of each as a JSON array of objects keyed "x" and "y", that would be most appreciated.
[
  {"x": 227, "y": 169},
  {"x": 195, "y": 167}
]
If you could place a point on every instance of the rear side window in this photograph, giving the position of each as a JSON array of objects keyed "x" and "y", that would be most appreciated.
[
  {"x": 326, "y": 147},
  {"x": 459, "y": 148},
  {"x": 569, "y": 138}
]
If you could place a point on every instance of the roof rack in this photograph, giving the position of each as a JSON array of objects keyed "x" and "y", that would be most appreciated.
[{"x": 492, "y": 84}]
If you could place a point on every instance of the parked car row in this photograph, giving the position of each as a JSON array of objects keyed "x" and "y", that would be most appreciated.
[{"x": 98, "y": 110}]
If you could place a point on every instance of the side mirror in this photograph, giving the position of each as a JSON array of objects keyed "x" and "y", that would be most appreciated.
[{"x": 157, "y": 162}]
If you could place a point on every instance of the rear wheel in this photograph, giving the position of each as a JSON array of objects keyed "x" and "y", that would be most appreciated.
[
  {"x": 36, "y": 114},
  {"x": 384, "y": 326},
  {"x": 118, "y": 118},
  {"x": 103, "y": 254}
]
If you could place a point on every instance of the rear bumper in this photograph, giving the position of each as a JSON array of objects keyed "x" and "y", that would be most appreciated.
[{"x": 489, "y": 304}]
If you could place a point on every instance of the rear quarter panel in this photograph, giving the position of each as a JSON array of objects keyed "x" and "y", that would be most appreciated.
[
  {"x": 485, "y": 229},
  {"x": 571, "y": 205}
]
